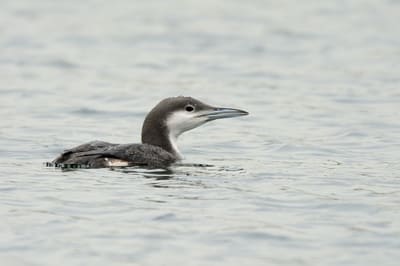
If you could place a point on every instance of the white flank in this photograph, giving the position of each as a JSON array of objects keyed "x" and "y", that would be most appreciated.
[{"x": 116, "y": 162}]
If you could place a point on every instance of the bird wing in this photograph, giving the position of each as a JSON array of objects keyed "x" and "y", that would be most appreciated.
[
  {"x": 135, "y": 154},
  {"x": 96, "y": 154},
  {"x": 82, "y": 149}
]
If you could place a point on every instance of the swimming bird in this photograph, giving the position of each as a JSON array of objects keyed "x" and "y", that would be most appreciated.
[{"x": 161, "y": 129}]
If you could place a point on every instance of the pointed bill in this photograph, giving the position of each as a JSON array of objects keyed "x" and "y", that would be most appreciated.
[{"x": 219, "y": 113}]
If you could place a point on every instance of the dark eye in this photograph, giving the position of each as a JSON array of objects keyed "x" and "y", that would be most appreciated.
[{"x": 189, "y": 108}]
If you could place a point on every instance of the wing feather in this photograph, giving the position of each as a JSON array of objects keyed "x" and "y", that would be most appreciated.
[{"x": 97, "y": 153}]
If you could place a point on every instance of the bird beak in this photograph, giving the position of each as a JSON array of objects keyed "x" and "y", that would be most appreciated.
[{"x": 218, "y": 113}]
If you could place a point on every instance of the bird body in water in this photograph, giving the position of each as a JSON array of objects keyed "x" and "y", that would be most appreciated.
[{"x": 161, "y": 129}]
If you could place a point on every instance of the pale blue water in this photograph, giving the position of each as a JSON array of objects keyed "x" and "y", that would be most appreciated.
[{"x": 311, "y": 177}]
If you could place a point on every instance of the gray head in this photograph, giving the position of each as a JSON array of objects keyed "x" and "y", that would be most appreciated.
[{"x": 173, "y": 116}]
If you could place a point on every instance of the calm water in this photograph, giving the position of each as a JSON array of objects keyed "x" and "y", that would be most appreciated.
[{"x": 311, "y": 177}]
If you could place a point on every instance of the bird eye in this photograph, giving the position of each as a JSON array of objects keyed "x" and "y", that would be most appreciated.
[{"x": 189, "y": 108}]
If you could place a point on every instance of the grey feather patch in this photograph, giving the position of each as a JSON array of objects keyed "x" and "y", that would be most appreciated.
[{"x": 97, "y": 154}]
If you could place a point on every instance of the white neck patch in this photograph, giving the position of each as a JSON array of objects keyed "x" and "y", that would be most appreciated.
[
  {"x": 174, "y": 145},
  {"x": 179, "y": 122}
]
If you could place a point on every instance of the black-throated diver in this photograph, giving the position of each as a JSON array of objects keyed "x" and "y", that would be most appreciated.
[{"x": 161, "y": 128}]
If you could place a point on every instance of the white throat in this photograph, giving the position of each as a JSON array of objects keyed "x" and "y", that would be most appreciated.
[
  {"x": 179, "y": 122},
  {"x": 173, "y": 139}
]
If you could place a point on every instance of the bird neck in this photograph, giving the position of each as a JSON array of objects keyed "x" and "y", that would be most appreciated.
[{"x": 157, "y": 134}]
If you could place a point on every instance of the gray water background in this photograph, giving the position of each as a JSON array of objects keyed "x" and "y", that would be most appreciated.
[{"x": 311, "y": 177}]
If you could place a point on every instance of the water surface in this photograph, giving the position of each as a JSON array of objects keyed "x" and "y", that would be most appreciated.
[{"x": 311, "y": 177}]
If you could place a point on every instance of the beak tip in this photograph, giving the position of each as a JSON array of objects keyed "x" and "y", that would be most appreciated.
[
  {"x": 219, "y": 113},
  {"x": 241, "y": 112}
]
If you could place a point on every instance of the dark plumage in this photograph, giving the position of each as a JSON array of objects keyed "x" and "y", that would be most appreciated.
[
  {"x": 97, "y": 154},
  {"x": 165, "y": 122}
]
